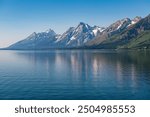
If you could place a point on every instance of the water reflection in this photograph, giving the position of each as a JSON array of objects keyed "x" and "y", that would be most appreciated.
[
  {"x": 86, "y": 63},
  {"x": 76, "y": 74}
]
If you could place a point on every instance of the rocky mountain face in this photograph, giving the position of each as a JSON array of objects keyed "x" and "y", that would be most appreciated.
[
  {"x": 115, "y": 28},
  {"x": 136, "y": 35},
  {"x": 125, "y": 33},
  {"x": 36, "y": 40},
  {"x": 73, "y": 37},
  {"x": 76, "y": 37}
]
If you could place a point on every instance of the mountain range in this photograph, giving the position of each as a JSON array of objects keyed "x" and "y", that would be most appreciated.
[{"x": 123, "y": 34}]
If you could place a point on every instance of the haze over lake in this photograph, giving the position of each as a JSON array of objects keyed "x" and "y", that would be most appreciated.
[{"x": 74, "y": 74}]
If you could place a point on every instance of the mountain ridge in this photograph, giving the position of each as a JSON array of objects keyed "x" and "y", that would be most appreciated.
[
  {"x": 121, "y": 40},
  {"x": 73, "y": 37},
  {"x": 122, "y": 34}
]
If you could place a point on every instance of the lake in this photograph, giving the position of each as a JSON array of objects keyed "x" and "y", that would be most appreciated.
[{"x": 74, "y": 75}]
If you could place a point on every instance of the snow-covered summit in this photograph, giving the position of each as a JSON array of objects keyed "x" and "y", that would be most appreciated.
[{"x": 78, "y": 36}]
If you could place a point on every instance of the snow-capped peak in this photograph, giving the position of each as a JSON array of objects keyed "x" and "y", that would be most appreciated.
[
  {"x": 82, "y": 27},
  {"x": 83, "y": 24},
  {"x": 77, "y": 36},
  {"x": 50, "y": 31},
  {"x": 119, "y": 25},
  {"x": 136, "y": 19},
  {"x": 97, "y": 30}
]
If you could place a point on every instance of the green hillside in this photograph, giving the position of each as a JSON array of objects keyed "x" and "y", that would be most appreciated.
[{"x": 142, "y": 41}]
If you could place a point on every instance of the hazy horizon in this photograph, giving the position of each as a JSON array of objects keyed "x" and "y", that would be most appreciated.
[{"x": 20, "y": 18}]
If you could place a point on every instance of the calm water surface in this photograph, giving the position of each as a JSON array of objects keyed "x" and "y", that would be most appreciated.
[{"x": 75, "y": 74}]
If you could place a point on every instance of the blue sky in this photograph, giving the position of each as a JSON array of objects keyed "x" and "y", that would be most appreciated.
[{"x": 19, "y": 18}]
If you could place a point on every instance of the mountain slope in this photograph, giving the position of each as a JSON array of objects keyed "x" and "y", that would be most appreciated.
[
  {"x": 36, "y": 40},
  {"x": 73, "y": 37},
  {"x": 114, "y": 29},
  {"x": 132, "y": 37},
  {"x": 76, "y": 37},
  {"x": 142, "y": 41}
]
